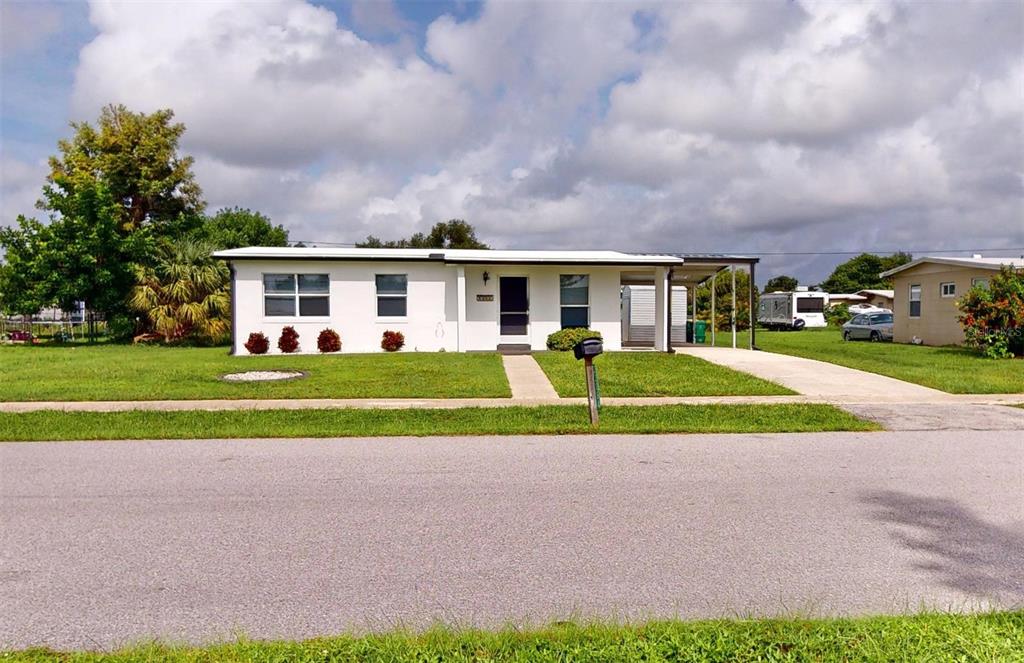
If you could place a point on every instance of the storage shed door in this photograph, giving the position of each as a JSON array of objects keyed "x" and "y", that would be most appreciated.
[{"x": 640, "y": 314}]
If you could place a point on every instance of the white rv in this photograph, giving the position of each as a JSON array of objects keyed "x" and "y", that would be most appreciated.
[{"x": 792, "y": 310}]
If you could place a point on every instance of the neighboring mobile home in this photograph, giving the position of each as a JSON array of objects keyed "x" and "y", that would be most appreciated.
[
  {"x": 876, "y": 298},
  {"x": 926, "y": 292},
  {"x": 450, "y": 299}
]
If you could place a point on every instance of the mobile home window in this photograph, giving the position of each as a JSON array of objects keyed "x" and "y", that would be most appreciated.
[
  {"x": 983, "y": 282},
  {"x": 810, "y": 304},
  {"x": 574, "y": 297},
  {"x": 915, "y": 301},
  {"x": 287, "y": 295},
  {"x": 392, "y": 292},
  {"x": 947, "y": 289}
]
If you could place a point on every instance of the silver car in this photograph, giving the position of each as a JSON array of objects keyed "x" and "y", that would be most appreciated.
[{"x": 869, "y": 326}]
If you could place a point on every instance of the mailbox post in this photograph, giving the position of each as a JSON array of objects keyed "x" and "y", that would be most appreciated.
[{"x": 587, "y": 350}]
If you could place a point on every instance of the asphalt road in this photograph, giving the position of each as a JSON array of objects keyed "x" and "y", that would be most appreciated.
[{"x": 104, "y": 543}]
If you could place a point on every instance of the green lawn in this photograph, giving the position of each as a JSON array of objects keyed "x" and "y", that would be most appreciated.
[
  {"x": 513, "y": 420},
  {"x": 652, "y": 374},
  {"x": 124, "y": 372},
  {"x": 952, "y": 369},
  {"x": 929, "y": 637}
]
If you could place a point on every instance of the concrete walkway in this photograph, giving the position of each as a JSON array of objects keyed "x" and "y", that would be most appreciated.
[
  {"x": 526, "y": 378},
  {"x": 818, "y": 379}
]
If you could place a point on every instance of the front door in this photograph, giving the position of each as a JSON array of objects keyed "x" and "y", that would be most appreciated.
[{"x": 514, "y": 306}]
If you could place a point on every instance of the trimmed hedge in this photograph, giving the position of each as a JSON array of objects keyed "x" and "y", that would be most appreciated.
[
  {"x": 257, "y": 344},
  {"x": 565, "y": 339}
]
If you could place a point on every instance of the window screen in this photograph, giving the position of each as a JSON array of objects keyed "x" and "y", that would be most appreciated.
[
  {"x": 285, "y": 295},
  {"x": 810, "y": 304},
  {"x": 574, "y": 297},
  {"x": 915, "y": 301},
  {"x": 392, "y": 292}
]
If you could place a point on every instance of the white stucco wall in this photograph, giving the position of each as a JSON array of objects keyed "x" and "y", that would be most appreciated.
[{"x": 432, "y": 320}]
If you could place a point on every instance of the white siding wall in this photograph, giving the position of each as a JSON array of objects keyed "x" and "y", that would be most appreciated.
[
  {"x": 432, "y": 321},
  {"x": 430, "y": 324}
]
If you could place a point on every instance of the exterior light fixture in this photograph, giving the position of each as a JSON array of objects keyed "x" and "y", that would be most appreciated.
[{"x": 487, "y": 277}]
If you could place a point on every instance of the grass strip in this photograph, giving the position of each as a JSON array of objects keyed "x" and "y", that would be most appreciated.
[
  {"x": 652, "y": 374},
  {"x": 926, "y": 637},
  {"x": 125, "y": 372},
  {"x": 549, "y": 419}
]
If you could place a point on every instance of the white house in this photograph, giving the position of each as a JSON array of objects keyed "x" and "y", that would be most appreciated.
[{"x": 448, "y": 299}]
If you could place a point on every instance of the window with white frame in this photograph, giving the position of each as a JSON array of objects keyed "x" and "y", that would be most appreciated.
[
  {"x": 392, "y": 293},
  {"x": 947, "y": 289},
  {"x": 915, "y": 301},
  {"x": 574, "y": 298},
  {"x": 291, "y": 295},
  {"x": 981, "y": 281}
]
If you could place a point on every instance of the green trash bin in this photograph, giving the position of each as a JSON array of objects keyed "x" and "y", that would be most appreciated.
[{"x": 700, "y": 329}]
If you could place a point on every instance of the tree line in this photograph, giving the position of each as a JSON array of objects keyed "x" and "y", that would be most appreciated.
[{"x": 127, "y": 233}]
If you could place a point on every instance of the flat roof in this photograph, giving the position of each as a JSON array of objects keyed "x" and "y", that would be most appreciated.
[
  {"x": 453, "y": 256},
  {"x": 982, "y": 263}
]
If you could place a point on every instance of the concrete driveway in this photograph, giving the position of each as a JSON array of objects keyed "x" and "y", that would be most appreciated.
[
  {"x": 110, "y": 542},
  {"x": 819, "y": 379}
]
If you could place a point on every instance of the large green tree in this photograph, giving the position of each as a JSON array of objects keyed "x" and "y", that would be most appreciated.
[
  {"x": 862, "y": 272},
  {"x": 451, "y": 234},
  {"x": 81, "y": 255},
  {"x": 114, "y": 192},
  {"x": 136, "y": 157},
  {"x": 231, "y": 228}
]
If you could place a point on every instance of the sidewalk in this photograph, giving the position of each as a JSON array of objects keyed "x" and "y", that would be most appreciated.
[{"x": 453, "y": 403}]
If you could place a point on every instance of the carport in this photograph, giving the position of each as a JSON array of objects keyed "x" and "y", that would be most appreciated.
[{"x": 696, "y": 270}]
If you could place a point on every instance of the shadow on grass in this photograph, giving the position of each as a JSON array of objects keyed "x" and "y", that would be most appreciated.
[{"x": 966, "y": 552}]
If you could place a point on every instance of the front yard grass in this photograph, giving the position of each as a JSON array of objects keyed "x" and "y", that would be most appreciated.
[
  {"x": 926, "y": 637},
  {"x": 951, "y": 369},
  {"x": 345, "y": 422},
  {"x": 652, "y": 374},
  {"x": 124, "y": 372}
]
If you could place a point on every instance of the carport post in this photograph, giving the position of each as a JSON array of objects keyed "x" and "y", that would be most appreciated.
[
  {"x": 714, "y": 286},
  {"x": 750, "y": 292},
  {"x": 732, "y": 315}
]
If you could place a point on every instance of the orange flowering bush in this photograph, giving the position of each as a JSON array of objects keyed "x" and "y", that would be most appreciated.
[{"x": 993, "y": 316}]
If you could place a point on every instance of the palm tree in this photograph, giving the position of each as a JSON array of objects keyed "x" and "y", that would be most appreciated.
[{"x": 185, "y": 293}]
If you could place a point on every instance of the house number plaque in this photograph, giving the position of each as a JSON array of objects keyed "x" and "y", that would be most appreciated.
[{"x": 485, "y": 298}]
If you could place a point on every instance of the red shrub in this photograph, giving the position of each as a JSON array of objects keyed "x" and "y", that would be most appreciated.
[
  {"x": 257, "y": 344},
  {"x": 289, "y": 341},
  {"x": 392, "y": 341},
  {"x": 328, "y": 341}
]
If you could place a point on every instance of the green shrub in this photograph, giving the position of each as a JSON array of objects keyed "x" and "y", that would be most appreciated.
[
  {"x": 565, "y": 339},
  {"x": 121, "y": 327},
  {"x": 838, "y": 315},
  {"x": 993, "y": 316}
]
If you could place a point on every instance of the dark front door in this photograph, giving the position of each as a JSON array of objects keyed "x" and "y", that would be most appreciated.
[{"x": 514, "y": 315}]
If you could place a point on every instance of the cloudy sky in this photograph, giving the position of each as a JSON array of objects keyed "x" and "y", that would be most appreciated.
[{"x": 763, "y": 127}]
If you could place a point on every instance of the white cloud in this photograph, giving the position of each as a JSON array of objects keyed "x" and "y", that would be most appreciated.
[
  {"x": 268, "y": 83},
  {"x": 703, "y": 126}
]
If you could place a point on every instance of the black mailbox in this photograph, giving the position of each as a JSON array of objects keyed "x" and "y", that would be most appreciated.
[{"x": 590, "y": 347}]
